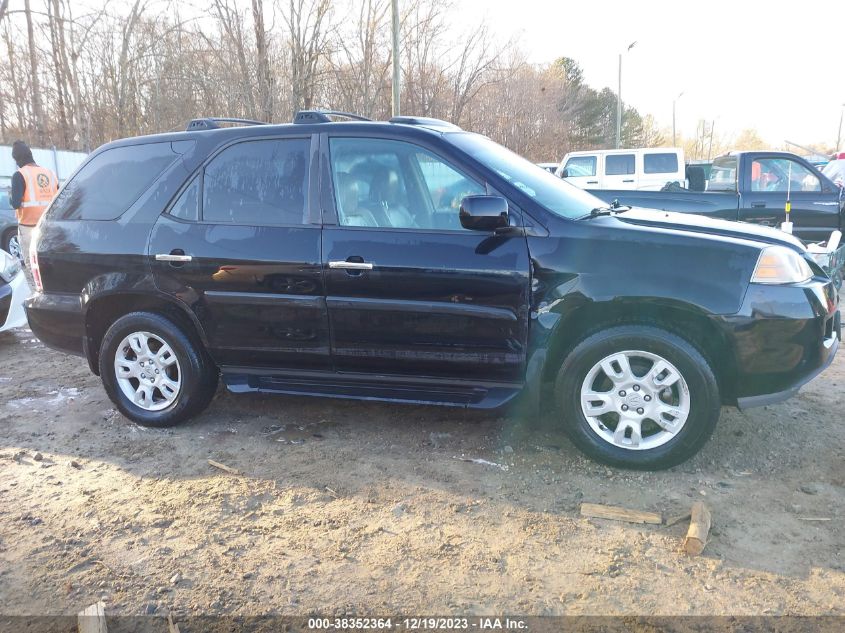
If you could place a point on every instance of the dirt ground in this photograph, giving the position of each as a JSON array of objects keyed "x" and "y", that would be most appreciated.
[{"x": 364, "y": 508}]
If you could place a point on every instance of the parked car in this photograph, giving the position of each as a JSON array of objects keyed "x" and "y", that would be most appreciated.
[
  {"x": 13, "y": 290},
  {"x": 411, "y": 261},
  {"x": 8, "y": 226},
  {"x": 630, "y": 169},
  {"x": 754, "y": 187}
]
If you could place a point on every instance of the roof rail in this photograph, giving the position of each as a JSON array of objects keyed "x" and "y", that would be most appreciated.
[
  {"x": 424, "y": 121},
  {"x": 322, "y": 116},
  {"x": 210, "y": 123}
]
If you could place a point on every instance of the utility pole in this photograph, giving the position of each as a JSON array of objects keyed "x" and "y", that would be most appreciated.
[
  {"x": 394, "y": 4},
  {"x": 710, "y": 147},
  {"x": 619, "y": 102},
  {"x": 674, "y": 141}
]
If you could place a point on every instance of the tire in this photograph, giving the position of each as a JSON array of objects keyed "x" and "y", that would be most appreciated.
[
  {"x": 682, "y": 393},
  {"x": 185, "y": 364},
  {"x": 11, "y": 244}
]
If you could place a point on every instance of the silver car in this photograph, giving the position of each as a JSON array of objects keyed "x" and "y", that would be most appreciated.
[{"x": 8, "y": 227}]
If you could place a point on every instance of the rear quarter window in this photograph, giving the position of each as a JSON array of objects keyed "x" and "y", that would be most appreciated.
[
  {"x": 662, "y": 163},
  {"x": 111, "y": 181},
  {"x": 723, "y": 175}
]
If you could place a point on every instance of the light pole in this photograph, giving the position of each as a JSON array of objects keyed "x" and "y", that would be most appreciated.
[
  {"x": 674, "y": 101},
  {"x": 839, "y": 133},
  {"x": 619, "y": 100},
  {"x": 394, "y": 6}
]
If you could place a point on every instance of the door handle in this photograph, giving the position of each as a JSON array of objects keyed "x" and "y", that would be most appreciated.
[
  {"x": 176, "y": 255},
  {"x": 175, "y": 258},
  {"x": 351, "y": 265},
  {"x": 592, "y": 182},
  {"x": 758, "y": 205},
  {"x": 629, "y": 180}
]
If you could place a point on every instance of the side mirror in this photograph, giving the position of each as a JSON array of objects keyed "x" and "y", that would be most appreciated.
[
  {"x": 484, "y": 213},
  {"x": 564, "y": 173}
]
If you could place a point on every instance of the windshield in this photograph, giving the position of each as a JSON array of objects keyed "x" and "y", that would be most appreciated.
[
  {"x": 4, "y": 201},
  {"x": 553, "y": 193}
]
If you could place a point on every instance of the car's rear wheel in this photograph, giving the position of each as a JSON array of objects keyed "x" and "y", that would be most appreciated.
[
  {"x": 638, "y": 397},
  {"x": 153, "y": 372}
]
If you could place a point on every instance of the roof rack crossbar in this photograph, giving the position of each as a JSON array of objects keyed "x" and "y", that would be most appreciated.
[
  {"x": 210, "y": 123},
  {"x": 423, "y": 121},
  {"x": 323, "y": 116}
]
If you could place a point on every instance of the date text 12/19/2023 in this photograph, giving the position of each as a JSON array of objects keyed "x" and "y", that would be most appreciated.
[{"x": 480, "y": 623}]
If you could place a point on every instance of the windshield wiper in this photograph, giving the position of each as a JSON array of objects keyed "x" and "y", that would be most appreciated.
[{"x": 614, "y": 207}]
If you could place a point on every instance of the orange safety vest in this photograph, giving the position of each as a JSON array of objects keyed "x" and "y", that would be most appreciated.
[{"x": 41, "y": 185}]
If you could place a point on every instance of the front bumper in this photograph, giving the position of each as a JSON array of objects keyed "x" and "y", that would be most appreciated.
[
  {"x": 12, "y": 296},
  {"x": 782, "y": 337},
  {"x": 57, "y": 320}
]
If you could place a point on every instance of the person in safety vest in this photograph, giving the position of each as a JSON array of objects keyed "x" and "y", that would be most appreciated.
[{"x": 33, "y": 188}]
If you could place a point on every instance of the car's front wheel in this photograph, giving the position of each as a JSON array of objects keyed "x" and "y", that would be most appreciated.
[
  {"x": 153, "y": 372},
  {"x": 637, "y": 396},
  {"x": 11, "y": 244}
]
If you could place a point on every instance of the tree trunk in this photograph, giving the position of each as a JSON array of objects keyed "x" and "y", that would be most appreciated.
[
  {"x": 265, "y": 83},
  {"x": 35, "y": 87},
  {"x": 57, "y": 32}
]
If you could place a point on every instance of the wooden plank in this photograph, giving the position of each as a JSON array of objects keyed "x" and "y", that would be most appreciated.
[
  {"x": 92, "y": 619},
  {"x": 699, "y": 528},
  {"x": 228, "y": 469},
  {"x": 172, "y": 627},
  {"x": 615, "y": 513}
]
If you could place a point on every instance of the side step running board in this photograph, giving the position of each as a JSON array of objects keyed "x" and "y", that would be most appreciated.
[{"x": 390, "y": 389}]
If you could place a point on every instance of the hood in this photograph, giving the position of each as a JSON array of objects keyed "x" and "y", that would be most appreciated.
[{"x": 701, "y": 224}]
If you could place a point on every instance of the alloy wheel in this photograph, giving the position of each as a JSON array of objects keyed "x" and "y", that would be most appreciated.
[
  {"x": 635, "y": 400},
  {"x": 147, "y": 371},
  {"x": 15, "y": 248}
]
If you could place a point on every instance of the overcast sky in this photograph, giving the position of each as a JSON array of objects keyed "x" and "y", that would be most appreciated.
[{"x": 776, "y": 66}]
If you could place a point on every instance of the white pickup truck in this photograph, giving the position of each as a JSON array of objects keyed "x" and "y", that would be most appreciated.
[{"x": 638, "y": 169}]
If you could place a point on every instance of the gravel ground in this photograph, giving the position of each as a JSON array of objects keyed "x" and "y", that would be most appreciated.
[{"x": 347, "y": 507}]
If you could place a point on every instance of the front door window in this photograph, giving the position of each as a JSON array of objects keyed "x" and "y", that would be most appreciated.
[
  {"x": 782, "y": 175},
  {"x": 396, "y": 185}
]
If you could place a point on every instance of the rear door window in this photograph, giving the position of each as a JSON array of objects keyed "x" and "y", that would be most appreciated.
[
  {"x": 258, "y": 183},
  {"x": 618, "y": 164},
  {"x": 662, "y": 163},
  {"x": 112, "y": 181}
]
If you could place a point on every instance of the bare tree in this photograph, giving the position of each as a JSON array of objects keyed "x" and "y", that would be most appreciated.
[
  {"x": 360, "y": 68},
  {"x": 307, "y": 40},
  {"x": 264, "y": 78},
  {"x": 80, "y": 75},
  {"x": 233, "y": 26}
]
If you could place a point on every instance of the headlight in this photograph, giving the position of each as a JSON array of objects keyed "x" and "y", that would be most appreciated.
[
  {"x": 9, "y": 266},
  {"x": 780, "y": 265}
]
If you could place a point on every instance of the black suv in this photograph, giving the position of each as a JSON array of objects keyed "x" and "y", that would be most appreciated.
[{"x": 412, "y": 261}]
